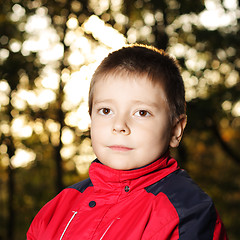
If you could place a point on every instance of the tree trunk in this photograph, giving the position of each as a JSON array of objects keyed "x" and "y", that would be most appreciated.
[
  {"x": 11, "y": 190},
  {"x": 11, "y": 212}
]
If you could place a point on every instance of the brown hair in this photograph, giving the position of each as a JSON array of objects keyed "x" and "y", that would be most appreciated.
[{"x": 145, "y": 60}]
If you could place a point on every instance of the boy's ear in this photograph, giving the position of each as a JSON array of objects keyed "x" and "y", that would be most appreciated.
[{"x": 177, "y": 130}]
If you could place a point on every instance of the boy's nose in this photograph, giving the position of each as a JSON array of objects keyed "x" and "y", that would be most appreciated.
[{"x": 121, "y": 126}]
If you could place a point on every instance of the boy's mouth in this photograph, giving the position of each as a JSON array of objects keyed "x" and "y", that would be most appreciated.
[{"x": 120, "y": 148}]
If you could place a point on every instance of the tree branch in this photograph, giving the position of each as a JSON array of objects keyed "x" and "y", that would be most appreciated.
[{"x": 226, "y": 148}]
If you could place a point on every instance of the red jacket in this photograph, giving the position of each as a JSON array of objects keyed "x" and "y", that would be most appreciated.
[{"x": 157, "y": 202}]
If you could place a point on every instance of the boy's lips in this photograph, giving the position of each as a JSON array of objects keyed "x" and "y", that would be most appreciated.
[{"x": 120, "y": 148}]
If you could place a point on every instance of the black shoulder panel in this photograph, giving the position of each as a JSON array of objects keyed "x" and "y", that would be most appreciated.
[
  {"x": 197, "y": 215},
  {"x": 82, "y": 186},
  {"x": 162, "y": 185},
  {"x": 177, "y": 183}
]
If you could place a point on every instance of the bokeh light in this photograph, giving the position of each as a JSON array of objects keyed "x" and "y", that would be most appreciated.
[{"x": 83, "y": 56}]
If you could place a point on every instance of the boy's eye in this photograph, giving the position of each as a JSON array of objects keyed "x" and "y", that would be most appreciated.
[
  {"x": 105, "y": 111},
  {"x": 142, "y": 113}
]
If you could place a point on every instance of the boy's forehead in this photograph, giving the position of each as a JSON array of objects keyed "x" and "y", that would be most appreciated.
[
  {"x": 126, "y": 79},
  {"x": 126, "y": 76},
  {"x": 138, "y": 88},
  {"x": 133, "y": 80}
]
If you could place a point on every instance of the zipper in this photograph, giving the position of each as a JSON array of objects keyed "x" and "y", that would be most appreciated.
[
  {"x": 108, "y": 228},
  {"x": 74, "y": 213}
]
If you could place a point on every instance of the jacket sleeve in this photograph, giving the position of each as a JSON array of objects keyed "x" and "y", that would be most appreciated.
[
  {"x": 39, "y": 223},
  {"x": 200, "y": 223},
  {"x": 41, "y": 220},
  {"x": 36, "y": 226},
  {"x": 219, "y": 230},
  {"x": 197, "y": 216}
]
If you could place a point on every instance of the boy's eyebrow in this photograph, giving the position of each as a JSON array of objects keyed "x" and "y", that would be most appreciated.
[
  {"x": 137, "y": 102},
  {"x": 102, "y": 101},
  {"x": 150, "y": 104}
]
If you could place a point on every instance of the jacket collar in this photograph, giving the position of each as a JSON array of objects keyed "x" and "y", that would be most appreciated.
[{"x": 105, "y": 178}]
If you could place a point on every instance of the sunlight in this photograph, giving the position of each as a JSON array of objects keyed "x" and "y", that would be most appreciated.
[
  {"x": 15, "y": 45},
  {"x": 4, "y": 87},
  {"x": 65, "y": 75},
  {"x": 5, "y": 128},
  {"x": 215, "y": 16},
  {"x": 76, "y": 58},
  {"x": 18, "y": 100},
  {"x": 79, "y": 118},
  {"x": 4, "y": 53},
  {"x": 195, "y": 61},
  {"x": 67, "y": 136},
  {"x": 42, "y": 38},
  {"x": 111, "y": 37},
  {"x": 99, "y": 6},
  {"x": 4, "y": 99},
  {"x": 71, "y": 119},
  {"x": 85, "y": 157},
  {"x": 227, "y": 105},
  {"x": 22, "y": 158},
  {"x": 116, "y": 5},
  {"x": 83, "y": 44},
  {"x": 99, "y": 53},
  {"x": 149, "y": 18},
  {"x": 38, "y": 21},
  {"x": 82, "y": 162},
  {"x": 18, "y": 12},
  {"x": 77, "y": 87},
  {"x": 50, "y": 78},
  {"x": 72, "y": 23},
  {"x": 232, "y": 79},
  {"x": 83, "y": 116},
  {"x": 38, "y": 127},
  {"x": 52, "y": 53},
  {"x": 69, "y": 151},
  {"x": 28, "y": 96},
  {"x": 44, "y": 97},
  {"x": 230, "y": 4},
  {"x": 213, "y": 76},
  {"x": 52, "y": 126},
  {"x": 3, "y": 149},
  {"x": 21, "y": 128},
  {"x": 35, "y": 98},
  {"x": 190, "y": 84},
  {"x": 178, "y": 50},
  {"x": 236, "y": 109}
]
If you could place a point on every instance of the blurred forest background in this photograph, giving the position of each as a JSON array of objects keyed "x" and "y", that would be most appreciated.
[{"x": 49, "y": 50}]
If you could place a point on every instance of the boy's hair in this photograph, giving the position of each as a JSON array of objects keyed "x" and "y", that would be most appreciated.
[{"x": 148, "y": 61}]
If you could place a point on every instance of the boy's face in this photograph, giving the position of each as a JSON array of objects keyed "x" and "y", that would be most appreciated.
[{"x": 131, "y": 124}]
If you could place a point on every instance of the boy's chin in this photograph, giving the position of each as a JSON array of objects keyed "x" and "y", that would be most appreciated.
[
  {"x": 125, "y": 167},
  {"x": 118, "y": 165}
]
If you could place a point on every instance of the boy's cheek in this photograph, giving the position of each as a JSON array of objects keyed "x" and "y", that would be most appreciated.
[{"x": 96, "y": 132}]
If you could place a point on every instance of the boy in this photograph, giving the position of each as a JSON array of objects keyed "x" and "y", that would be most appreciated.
[{"x": 135, "y": 190}]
